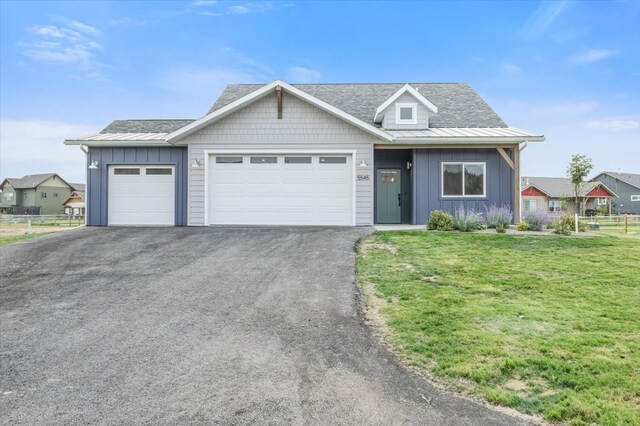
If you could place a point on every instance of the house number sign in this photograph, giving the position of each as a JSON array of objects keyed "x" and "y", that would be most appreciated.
[{"x": 362, "y": 177}]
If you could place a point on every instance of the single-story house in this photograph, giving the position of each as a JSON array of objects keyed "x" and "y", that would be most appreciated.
[
  {"x": 307, "y": 154},
  {"x": 75, "y": 205},
  {"x": 34, "y": 194},
  {"x": 627, "y": 188},
  {"x": 556, "y": 196}
]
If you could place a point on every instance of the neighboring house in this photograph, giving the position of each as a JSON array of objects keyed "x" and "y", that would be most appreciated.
[
  {"x": 556, "y": 196},
  {"x": 34, "y": 194},
  {"x": 75, "y": 204},
  {"x": 308, "y": 154},
  {"x": 627, "y": 187}
]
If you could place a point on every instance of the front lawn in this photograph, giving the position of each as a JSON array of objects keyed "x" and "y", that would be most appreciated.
[
  {"x": 547, "y": 325},
  {"x": 10, "y": 239}
]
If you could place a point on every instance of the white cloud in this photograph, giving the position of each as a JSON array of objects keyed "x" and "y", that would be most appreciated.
[
  {"x": 78, "y": 26},
  {"x": 564, "y": 108},
  {"x": 510, "y": 69},
  {"x": 203, "y": 82},
  {"x": 573, "y": 126},
  {"x": 542, "y": 18},
  {"x": 35, "y": 146},
  {"x": 126, "y": 21},
  {"x": 300, "y": 74},
  {"x": 587, "y": 56},
  {"x": 71, "y": 44},
  {"x": 200, "y": 82},
  {"x": 615, "y": 124},
  {"x": 199, "y": 3}
]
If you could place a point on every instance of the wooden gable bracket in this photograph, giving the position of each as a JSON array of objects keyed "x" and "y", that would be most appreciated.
[
  {"x": 506, "y": 157},
  {"x": 279, "y": 97}
]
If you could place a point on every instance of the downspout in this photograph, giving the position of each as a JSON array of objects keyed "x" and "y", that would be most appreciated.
[{"x": 84, "y": 149}]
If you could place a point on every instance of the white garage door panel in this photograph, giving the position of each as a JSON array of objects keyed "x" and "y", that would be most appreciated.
[
  {"x": 141, "y": 199},
  {"x": 281, "y": 193}
]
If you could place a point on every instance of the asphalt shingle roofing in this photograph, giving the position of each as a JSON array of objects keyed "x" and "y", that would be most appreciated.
[
  {"x": 29, "y": 181},
  {"x": 630, "y": 178},
  {"x": 458, "y": 104},
  {"x": 556, "y": 187}
]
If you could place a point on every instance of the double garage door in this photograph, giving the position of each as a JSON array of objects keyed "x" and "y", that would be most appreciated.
[
  {"x": 141, "y": 195},
  {"x": 289, "y": 189}
]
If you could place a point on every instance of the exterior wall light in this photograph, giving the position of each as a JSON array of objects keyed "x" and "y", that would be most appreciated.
[
  {"x": 196, "y": 164},
  {"x": 94, "y": 165},
  {"x": 363, "y": 164}
]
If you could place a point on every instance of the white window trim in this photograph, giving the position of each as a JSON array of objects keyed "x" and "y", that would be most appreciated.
[
  {"x": 414, "y": 110},
  {"x": 558, "y": 203},
  {"x": 599, "y": 203},
  {"x": 464, "y": 163},
  {"x": 535, "y": 205}
]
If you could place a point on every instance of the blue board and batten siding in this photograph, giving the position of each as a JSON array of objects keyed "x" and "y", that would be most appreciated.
[
  {"x": 98, "y": 179},
  {"x": 427, "y": 181}
]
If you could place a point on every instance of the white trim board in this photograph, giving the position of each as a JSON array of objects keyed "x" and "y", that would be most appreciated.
[
  {"x": 261, "y": 92},
  {"x": 413, "y": 92}
]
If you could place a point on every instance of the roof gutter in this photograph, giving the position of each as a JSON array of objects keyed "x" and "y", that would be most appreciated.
[
  {"x": 473, "y": 140},
  {"x": 109, "y": 143}
]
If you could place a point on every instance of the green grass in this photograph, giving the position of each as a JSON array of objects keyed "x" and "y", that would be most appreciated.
[
  {"x": 633, "y": 231},
  {"x": 10, "y": 239},
  {"x": 547, "y": 325}
]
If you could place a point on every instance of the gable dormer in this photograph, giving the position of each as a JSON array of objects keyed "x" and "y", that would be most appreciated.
[{"x": 406, "y": 109}]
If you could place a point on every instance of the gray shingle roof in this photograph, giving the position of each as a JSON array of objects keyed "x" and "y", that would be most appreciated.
[
  {"x": 630, "y": 178},
  {"x": 145, "y": 126},
  {"x": 29, "y": 181},
  {"x": 79, "y": 187},
  {"x": 556, "y": 187},
  {"x": 458, "y": 104}
]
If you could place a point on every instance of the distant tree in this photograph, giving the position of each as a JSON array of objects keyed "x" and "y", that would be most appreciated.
[{"x": 578, "y": 169}]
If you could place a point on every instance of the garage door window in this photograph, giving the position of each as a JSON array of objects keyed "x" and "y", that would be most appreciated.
[
  {"x": 264, "y": 160},
  {"x": 158, "y": 171},
  {"x": 333, "y": 160},
  {"x": 128, "y": 171},
  {"x": 297, "y": 160},
  {"x": 229, "y": 160}
]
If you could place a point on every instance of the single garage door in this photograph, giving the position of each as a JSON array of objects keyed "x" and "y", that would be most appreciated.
[
  {"x": 141, "y": 195},
  {"x": 280, "y": 189}
]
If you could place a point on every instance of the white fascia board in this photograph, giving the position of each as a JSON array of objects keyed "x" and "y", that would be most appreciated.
[
  {"x": 117, "y": 143},
  {"x": 413, "y": 92},
  {"x": 263, "y": 91},
  {"x": 470, "y": 140}
]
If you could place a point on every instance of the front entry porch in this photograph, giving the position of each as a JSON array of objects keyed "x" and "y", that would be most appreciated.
[{"x": 392, "y": 186}]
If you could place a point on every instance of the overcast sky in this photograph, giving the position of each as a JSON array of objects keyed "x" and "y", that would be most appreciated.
[{"x": 569, "y": 70}]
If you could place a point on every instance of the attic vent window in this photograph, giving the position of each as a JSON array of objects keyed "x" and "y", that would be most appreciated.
[{"x": 406, "y": 113}]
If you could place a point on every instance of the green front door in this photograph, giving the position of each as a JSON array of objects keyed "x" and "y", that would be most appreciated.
[{"x": 388, "y": 198}]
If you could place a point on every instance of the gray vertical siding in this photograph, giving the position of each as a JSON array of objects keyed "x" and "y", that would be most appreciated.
[
  {"x": 427, "y": 181},
  {"x": 98, "y": 180},
  {"x": 622, "y": 204}
]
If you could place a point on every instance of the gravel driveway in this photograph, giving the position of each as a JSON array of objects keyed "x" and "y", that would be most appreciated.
[{"x": 201, "y": 325}]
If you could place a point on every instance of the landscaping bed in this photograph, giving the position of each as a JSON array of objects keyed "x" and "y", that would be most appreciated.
[{"x": 545, "y": 325}]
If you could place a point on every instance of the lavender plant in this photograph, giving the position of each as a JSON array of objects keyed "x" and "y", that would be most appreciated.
[
  {"x": 468, "y": 220},
  {"x": 498, "y": 215},
  {"x": 537, "y": 220}
]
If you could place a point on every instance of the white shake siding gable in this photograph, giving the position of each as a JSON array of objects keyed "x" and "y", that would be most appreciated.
[
  {"x": 302, "y": 127},
  {"x": 389, "y": 121}
]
